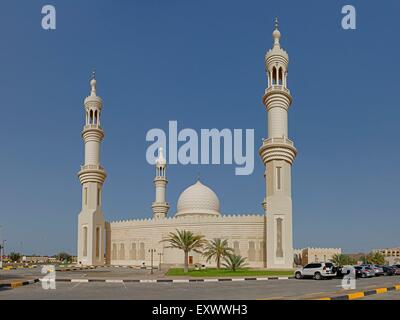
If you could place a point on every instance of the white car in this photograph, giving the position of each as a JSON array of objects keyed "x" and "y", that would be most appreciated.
[{"x": 317, "y": 270}]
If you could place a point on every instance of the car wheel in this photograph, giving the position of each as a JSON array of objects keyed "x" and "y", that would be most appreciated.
[
  {"x": 317, "y": 276},
  {"x": 363, "y": 275},
  {"x": 297, "y": 275}
]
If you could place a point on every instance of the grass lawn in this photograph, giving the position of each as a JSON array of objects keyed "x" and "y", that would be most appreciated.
[{"x": 212, "y": 272}]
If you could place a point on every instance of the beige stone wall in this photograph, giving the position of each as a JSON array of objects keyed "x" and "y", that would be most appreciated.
[
  {"x": 130, "y": 241},
  {"x": 310, "y": 255}
]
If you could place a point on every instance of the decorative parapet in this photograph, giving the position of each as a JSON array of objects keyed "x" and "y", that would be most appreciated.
[{"x": 251, "y": 218}]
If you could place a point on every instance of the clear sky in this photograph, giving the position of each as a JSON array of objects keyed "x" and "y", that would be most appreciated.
[{"x": 200, "y": 63}]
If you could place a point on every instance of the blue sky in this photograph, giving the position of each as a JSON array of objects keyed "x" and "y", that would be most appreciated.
[{"x": 200, "y": 63}]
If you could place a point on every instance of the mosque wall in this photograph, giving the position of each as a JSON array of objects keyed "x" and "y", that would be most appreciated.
[{"x": 129, "y": 241}]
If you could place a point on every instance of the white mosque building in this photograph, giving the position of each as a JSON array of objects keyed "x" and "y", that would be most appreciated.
[{"x": 265, "y": 239}]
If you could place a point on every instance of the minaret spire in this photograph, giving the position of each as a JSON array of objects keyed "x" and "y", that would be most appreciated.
[
  {"x": 278, "y": 153},
  {"x": 93, "y": 83},
  {"x": 160, "y": 206},
  {"x": 91, "y": 224},
  {"x": 276, "y": 34}
]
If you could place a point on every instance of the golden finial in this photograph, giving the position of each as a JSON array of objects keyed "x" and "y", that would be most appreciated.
[{"x": 276, "y": 23}]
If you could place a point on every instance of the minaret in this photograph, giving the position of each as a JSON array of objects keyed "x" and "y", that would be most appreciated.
[
  {"x": 160, "y": 206},
  {"x": 277, "y": 153},
  {"x": 91, "y": 226}
]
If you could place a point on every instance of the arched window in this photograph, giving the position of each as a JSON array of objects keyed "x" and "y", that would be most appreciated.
[
  {"x": 121, "y": 251},
  {"x": 98, "y": 242},
  {"x": 236, "y": 247},
  {"x": 261, "y": 255},
  {"x": 252, "y": 251},
  {"x": 132, "y": 253},
  {"x": 85, "y": 239},
  {"x": 114, "y": 251},
  {"x": 142, "y": 253},
  {"x": 91, "y": 116},
  {"x": 274, "y": 80},
  {"x": 280, "y": 76}
]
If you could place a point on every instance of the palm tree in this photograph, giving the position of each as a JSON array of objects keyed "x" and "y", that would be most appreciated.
[
  {"x": 186, "y": 241},
  {"x": 217, "y": 249},
  {"x": 234, "y": 261}
]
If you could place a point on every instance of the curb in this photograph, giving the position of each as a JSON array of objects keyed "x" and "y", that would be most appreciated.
[
  {"x": 171, "y": 280},
  {"x": 16, "y": 284},
  {"x": 361, "y": 294},
  {"x": 19, "y": 267},
  {"x": 74, "y": 269}
]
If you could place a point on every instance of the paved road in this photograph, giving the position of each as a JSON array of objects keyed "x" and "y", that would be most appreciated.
[{"x": 271, "y": 289}]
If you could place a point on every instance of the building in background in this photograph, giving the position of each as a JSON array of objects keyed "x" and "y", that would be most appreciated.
[
  {"x": 392, "y": 255},
  {"x": 311, "y": 255}
]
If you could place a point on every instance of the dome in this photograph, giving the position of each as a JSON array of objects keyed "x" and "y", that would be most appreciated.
[{"x": 198, "y": 199}]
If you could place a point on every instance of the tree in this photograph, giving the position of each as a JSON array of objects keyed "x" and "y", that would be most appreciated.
[
  {"x": 376, "y": 258},
  {"x": 15, "y": 256},
  {"x": 217, "y": 249},
  {"x": 186, "y": 241},
  {"x": 64, "y": 256},
  {"x": 341, "y": 260},
  {"x": 233, "y": 261}
]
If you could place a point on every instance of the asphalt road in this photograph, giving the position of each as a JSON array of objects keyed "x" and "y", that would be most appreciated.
[{"x": 271, "y": 289}]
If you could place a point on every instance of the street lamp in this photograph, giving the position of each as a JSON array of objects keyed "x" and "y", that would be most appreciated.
[
  {"x": 160, "y": 254},
  {"x": 152, "y": 251}
]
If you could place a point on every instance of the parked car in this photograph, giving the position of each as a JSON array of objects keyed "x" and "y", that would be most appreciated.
[
  {"x": 396, "y": 268},
  {"x": 389, "y": 271},
  {"x": 318, "y": 271},
  {"x": 364, "y": 272},
  {"x": 342, "y": 271},
  {"x": 377, "y": 269}
]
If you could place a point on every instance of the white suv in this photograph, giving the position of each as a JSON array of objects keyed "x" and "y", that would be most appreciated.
[{"x": 317, "y": 270}]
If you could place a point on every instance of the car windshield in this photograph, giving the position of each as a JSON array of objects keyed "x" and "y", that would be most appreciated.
[{"x": 329, "y": 265}]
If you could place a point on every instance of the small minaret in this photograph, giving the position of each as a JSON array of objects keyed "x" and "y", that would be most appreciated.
[
  {"x": 91, "y": 225},
  {"x": 277, "y": 153},
  {"x": 160, "y": 206}
]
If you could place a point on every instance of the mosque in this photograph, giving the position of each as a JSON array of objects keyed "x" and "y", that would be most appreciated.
[{"x": 264, "y": 239}]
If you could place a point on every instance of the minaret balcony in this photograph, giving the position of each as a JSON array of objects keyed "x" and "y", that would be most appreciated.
[
  {"x": 92, "y": 126},
  {"x": 279, "y": 148},
  {"x": 278, "y": 140},
  {"x": 92, "y": 167},
  {"x": 277, "y": 87},
  {"x": 92, "y": 173}
]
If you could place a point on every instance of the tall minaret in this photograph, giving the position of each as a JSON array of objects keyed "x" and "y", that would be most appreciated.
[
  {"x": 91, "y": 226},
  {"x": 160, "y": 206},
  {"x": 277, "y": 153}
]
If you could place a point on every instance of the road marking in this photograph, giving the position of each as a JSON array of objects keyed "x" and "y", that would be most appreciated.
[
  {"x": 115, "y": 281},
  {"x": 210, "y": 280},
  {"x": 79, "y": 280},
  {"x": 78, "y": 284}
]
